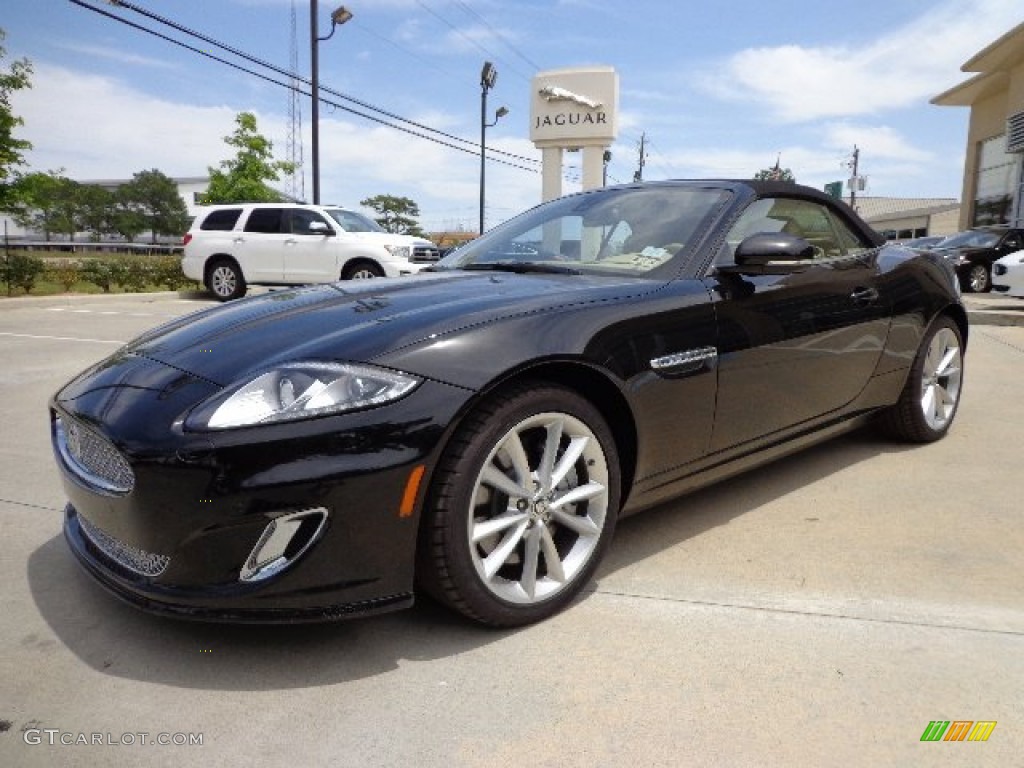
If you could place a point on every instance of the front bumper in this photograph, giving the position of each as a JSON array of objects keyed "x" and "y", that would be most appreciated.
[{"x": 185, "y": 538}]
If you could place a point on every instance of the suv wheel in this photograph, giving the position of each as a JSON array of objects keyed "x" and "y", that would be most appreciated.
[
  {"x": 362, "y": 270},
  {"x": 978, "y": 279},
  {"x": 225, "y": 280}
]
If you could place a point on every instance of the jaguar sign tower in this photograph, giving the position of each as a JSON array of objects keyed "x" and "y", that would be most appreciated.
[{"x": 574, "y": 109}]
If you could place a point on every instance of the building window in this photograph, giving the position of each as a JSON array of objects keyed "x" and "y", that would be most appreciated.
[{"x": 995, "y": 183}]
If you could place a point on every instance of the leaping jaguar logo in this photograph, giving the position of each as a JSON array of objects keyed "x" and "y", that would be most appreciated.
[{"x": 554, "y": 93}]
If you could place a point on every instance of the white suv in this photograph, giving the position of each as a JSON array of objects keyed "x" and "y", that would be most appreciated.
[{"x": 231, "y": 246}]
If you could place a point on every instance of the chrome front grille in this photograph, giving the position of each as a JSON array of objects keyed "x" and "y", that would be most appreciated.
[
  {"x": 133, "y": 559},
  {"x": 92, "y": 458},
  {"x": 426, "y": 253}
]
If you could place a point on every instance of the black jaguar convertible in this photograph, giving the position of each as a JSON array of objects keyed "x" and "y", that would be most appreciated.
[{"x": 475, "y": 431}]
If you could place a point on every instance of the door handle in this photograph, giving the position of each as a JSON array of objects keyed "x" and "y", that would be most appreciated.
[{"x": 864, "y": 297}]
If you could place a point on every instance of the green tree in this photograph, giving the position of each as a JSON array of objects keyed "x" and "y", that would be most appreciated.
[
  {"x": 67, "y": 207},
  {"x": 153, "y": 198},
  {"x": 244, "y": 178},
  {"x": 13, "y": 78},
  {"x": 38, "y": 203},
  {"x": 96, "y": 207},
  {"x": 395, "y": 214},
  {"x": 125, "y": 219},
  {"x": 776, "y": 173}
]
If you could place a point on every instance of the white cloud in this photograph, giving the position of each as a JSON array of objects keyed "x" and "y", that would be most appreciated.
[
  {"x": 901, "y": 68},
  {"x": 95, "y": 127},
  {"x": 879, "y": 141},
  {"x": 115, "y": 54}
]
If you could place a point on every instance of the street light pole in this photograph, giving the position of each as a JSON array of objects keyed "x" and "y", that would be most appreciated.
[
  {"x": 338, "y": 17},
  {"x": 488, "y": 77}
]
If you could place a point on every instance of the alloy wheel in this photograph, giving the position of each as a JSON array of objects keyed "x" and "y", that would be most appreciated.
[
  {"x": 538, "y": 508},
  {"x": 223, "y": 281},
  {"x": 941, "y": 376}
]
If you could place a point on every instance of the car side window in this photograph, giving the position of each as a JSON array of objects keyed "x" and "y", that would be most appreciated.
[
  {"x": 221, "y": 220},
  {"x": 812, "y": 221},
  {"x": 301, "y": 218},
  {"x": 1014, "y": 242},
  {"x": 264, "y": 220}
]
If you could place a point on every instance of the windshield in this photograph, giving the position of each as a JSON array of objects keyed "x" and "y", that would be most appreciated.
[
  {"x": 620, "y": 231},
  {"x": 354, "y": 222},
  {"x": 972, "y": 238}
]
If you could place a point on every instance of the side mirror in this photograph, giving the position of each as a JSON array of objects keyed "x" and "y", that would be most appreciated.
[
  {"x": 320, "y": 228},
  {"x": 769, "y": 253}
]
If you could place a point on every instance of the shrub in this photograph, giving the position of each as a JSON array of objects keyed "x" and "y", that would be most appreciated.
[
  {"x": 138, "y": 274},
  {"x": 22, "y": 270},
  {"x": 167, "y": 272},
  {"x": 65, "y": 273},
  {"x": 104, "y": 272}
]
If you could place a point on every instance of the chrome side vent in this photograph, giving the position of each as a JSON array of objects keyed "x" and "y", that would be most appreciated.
[{"x": 283, "y": 541}]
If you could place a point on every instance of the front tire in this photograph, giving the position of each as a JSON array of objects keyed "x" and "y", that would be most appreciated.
[
  {"x": 362, "y": 270},
  {"x": 523, "y": 507},
  {"x": 929, "y": 401}
]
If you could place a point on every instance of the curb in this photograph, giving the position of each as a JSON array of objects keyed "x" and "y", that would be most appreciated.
[{"x": 986, "y": 309}]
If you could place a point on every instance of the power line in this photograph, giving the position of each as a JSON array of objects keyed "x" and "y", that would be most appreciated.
[
  {"x": 470, "y": 148},
  {"x": 496, "y": 33},
  {"x": 487, "y": 54}
]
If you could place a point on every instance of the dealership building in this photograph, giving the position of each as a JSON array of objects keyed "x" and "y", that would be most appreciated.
[{"x": 993, "y": 186}]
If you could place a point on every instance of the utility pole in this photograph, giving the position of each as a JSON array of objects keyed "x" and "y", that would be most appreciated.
[
  {"x": 855, "y": 178},
  {"x": 639, "y": 175}
]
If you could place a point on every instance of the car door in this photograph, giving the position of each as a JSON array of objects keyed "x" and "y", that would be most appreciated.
[
  {"x": 309, "y": 253},
  {"x": 260, "y": 246},
  {"x": 794, "y": 347}
]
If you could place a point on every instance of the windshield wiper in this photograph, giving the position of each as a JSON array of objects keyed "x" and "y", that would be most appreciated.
[{"x": 522, "y": 267}]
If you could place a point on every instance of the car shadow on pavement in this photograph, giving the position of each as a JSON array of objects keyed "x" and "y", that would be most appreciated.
[
  {"x": 667, "y": 525},
  {"x": 117, "y": 639}
]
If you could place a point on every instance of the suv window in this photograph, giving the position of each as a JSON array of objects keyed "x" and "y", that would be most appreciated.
[
  {"x": 264, "y": 220},
  {"x": 222, "y": 219},
  {"x": 301, "y": 218},
  {"x": 353, "y": 222}
]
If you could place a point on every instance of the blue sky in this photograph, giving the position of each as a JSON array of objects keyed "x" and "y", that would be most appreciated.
[{"x": 719, "y": 89}]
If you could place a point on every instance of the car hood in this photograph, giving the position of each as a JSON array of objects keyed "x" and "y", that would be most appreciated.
[
  {"x": 387, "y": 238},
  {"x": 361, "y": 320}
]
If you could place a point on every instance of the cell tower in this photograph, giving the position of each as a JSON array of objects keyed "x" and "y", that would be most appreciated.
[{"x": 296, "y": 183}]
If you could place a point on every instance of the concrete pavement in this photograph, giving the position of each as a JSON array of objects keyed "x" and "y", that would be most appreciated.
[{"x": 822, "y": 610}]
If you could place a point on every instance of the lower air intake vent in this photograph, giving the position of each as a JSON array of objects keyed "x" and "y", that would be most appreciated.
[{"x": 135, "y": 560}]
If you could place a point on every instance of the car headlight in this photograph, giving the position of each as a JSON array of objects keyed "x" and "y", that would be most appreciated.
[
  {"x": 399, "y": 251},
  {"x": 300, "y": 390}
]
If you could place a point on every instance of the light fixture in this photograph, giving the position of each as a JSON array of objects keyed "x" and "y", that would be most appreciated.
[
  {"x": 488, "y": 77},
  {"x": 339, "y": 16}
]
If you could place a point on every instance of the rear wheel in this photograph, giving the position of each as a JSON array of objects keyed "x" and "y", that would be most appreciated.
[
  {"x": 362, "y": 270},
  {"x": 928, "y": 403},
  {"x": 523, "y": 507},
  {"x": 225, "y": 280}
]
